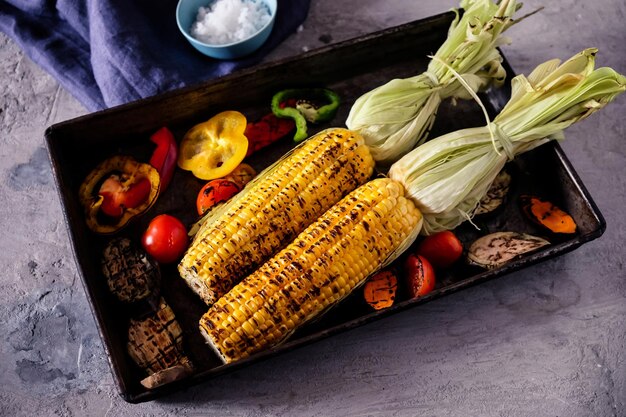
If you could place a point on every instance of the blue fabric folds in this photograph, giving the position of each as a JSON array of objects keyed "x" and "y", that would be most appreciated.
[{"x": 109, "y": 52}]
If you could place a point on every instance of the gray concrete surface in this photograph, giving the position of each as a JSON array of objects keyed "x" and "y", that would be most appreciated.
[{"x": 546, "y": 341}]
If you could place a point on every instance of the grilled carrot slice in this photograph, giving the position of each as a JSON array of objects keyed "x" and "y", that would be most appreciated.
[
  {"x": 546, "y": 214},
  {"x": 380, "y": 290}
]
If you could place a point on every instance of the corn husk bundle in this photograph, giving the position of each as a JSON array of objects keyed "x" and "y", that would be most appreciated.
[
  {"x": 398, "y": 115},
  {"x": 447, "y": 176}
]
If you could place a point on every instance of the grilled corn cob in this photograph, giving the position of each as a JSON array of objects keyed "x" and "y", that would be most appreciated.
[
  {"x": 273, "y": 210},
  {"x": 363, "y": 232}
]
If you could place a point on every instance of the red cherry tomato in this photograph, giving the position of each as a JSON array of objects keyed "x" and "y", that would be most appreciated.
[
  {"x": 215, "y": 192},
  {"x": 420, "y": 275},
  {"x": 441, "y": 249},
  {"x": 165, "y": 239}
]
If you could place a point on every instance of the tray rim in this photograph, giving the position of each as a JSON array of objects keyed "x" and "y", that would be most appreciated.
[{"x": 196, "y": 378}]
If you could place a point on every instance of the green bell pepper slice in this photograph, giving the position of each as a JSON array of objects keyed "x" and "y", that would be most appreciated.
[{"x": 304, "y": 110}]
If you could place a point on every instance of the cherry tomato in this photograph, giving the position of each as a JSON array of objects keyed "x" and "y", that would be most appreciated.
[
  {"x": 420, "y": 275},
  {"x": 441, "y": 249},
  {"x": 165, "y": 239},
  {"x": 215, "y": 192},
  {"x": 118, "y": 194}
]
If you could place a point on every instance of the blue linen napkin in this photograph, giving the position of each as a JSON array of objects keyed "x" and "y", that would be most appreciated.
[{"x": 109, "y": 52}]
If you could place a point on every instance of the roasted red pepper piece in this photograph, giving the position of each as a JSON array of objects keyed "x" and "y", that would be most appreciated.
[
  {"x": 165, "y": 155},
  {"x": 267, "y": 131}
]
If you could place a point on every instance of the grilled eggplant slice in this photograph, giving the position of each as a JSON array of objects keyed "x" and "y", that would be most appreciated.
[
  {"x": 496, "y": 195},
  {"x": 496, "y": 249},
  {"x": 155, "y": 343}
]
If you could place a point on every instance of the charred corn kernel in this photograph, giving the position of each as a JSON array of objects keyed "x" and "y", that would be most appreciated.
[
  {"x": 275, "y": 210},
  {"x": 320, "y": 267}
]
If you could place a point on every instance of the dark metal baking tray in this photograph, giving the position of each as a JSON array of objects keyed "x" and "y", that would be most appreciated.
[{"x": 350, "y": 68}]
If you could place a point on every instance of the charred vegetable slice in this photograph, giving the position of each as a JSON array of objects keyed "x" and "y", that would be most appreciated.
[
  {"x": 496, "y": 249},
  {"x": 131, "y": 275},
  {"x": 266, "y": 131},
  {"x": 546, "y": 214},
  {"x": 380, "y": 290},
  {"x": 171, "y": 374},
  {"x": 496, "y": 194},
  {"x": 116, "y": 191},
  {"x": 155, "y": 342}
]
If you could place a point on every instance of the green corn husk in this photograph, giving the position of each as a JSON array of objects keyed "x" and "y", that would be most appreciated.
[
  {"x": 447, "y": 176},
  {"x": 397, "y": 116}
]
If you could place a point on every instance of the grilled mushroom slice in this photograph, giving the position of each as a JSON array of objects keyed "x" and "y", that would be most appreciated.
[
  {"x": 496, "y": 249},
  {"x": 131, "y": 275}
]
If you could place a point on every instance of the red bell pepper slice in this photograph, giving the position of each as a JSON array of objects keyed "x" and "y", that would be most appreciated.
[
  {"x": 268, "y": 130},
  {"x": 165, "y": 155}
]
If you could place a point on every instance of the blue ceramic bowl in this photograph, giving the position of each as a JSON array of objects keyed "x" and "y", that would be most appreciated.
[{"x": 186, "y": 13}]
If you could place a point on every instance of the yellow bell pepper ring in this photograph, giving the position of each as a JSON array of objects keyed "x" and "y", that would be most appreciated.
[{"x": 214, "y": 148}]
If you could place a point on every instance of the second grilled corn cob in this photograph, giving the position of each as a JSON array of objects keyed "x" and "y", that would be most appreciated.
[
  {"x": 360, "y": 234},
  {"x": 273, "y": 210}
]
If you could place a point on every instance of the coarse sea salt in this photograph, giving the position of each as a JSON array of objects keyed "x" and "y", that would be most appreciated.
[{"x": 228, "y": 21}]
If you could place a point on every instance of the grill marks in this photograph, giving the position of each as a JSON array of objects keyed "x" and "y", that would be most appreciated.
[{"x": 155, "y": 342}]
